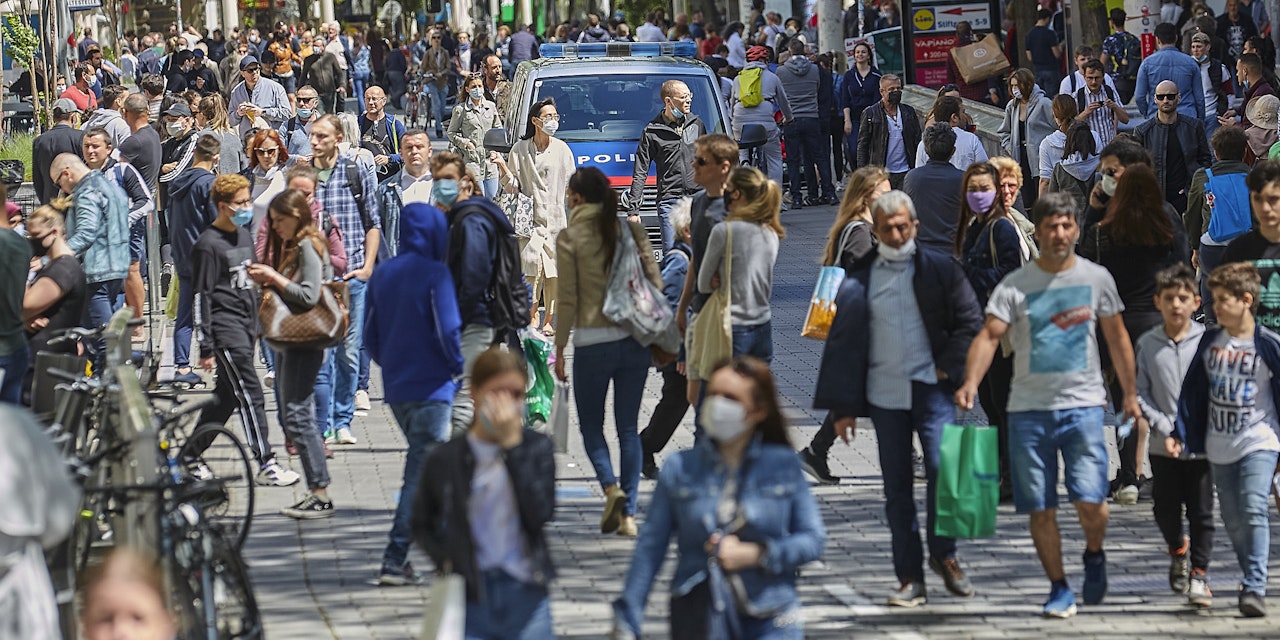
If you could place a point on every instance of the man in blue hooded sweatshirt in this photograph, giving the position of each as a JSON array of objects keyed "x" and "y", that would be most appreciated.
[
  {"x": 191, "y": 211},
  {"x": 413, "y": 295}
]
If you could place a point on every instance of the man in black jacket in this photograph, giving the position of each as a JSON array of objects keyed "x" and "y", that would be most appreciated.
[
  {"x": 889, "y": 133},
  {"x": 62, "y": 138},
  {"x": 1177, "y": 144},
  {"x": 873, "y": 367},
  {"x": 503, "y": 476},
  {"x": 668, "y": 141}
]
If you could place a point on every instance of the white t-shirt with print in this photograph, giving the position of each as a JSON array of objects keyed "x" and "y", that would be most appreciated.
[{"x": 1242, "y": 413}]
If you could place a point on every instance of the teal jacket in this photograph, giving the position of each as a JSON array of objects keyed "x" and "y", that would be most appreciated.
[{"x": 98, "y": 228}]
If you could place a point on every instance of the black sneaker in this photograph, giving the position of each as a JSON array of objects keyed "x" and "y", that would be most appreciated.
[
  {"x": 403, "y": 577},
  {"x": 312, "y": 507},
  {"x": 650, "y": 468},
  {"x": 1252, "y": 605},
  {"x": 816, "y": 466}
]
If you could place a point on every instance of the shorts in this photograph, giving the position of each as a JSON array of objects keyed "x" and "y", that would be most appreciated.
[
  {"x": 138, "y": 241},
  {"x": 1036, "y": 437},
  {"x": 290, "y": 83}
]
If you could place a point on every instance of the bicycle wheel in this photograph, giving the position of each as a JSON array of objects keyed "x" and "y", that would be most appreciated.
[
  {"x": 213, "y": 593},
  {"x": 213, "y": 451}
]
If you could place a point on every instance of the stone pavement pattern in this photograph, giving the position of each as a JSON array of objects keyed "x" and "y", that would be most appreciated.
[{"x": 314, "y": 580}]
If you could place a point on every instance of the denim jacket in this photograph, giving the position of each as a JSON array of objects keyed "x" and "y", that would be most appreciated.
[
  {"x": 98, "y": 228},
  {"x": 780, "y": 512}
]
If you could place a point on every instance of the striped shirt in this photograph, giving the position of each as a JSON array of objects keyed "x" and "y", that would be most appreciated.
[{"x": 1102, "y": 120}]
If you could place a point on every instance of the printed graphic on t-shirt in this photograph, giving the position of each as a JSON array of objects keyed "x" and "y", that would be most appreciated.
[
  {"x": 239, "y": 259},
  {"x": 1269, "y": 298},
  {"x": 1233, "y": 387},
  {"x": 1060, "y": 321}
]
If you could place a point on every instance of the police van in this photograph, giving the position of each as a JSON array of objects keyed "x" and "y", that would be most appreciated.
[{"x": 606, "y": 93}]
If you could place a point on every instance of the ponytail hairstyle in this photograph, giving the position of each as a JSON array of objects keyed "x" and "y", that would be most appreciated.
[
  {"x": 593, "y": 186},
  {"x": 761, "y": 199}
]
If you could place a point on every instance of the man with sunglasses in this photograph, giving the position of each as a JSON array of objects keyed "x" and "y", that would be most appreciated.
[
  {"x": 1168, "y": 63},
  {"x": 257, "y": 97},
  {"x": 296, "y": 131},
  {"x": 1176, "y": 142}
]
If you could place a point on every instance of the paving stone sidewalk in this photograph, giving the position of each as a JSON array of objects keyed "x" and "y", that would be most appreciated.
[{"x": 314, "y": 580}]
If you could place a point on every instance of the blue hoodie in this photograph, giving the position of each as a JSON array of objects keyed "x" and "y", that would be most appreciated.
[
  {"x": 191, "y": 211},
  {"x": 412, "y": 328}
]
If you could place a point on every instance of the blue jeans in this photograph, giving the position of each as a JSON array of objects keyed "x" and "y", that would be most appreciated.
[
  {"x": 1036, "y": 437},
  {"x": 104, "y": 299},
  {"x": 626, "y": 363},
  {"x": 425, "y": 425},
  {"x": 358, "y": 85},
  {"x": 754, "y": 340},
  {"x": 13, "y": 367},
  {"x": 490, "y": 187},
  {"x": 664, "y": 223},
  {"x": 932, "y": 407},
  {"x": 346, "y": 366},
  {"x": 324, "y": 392},
  {"x": 510, "y": 610},
  {"x": 804, "y": 141},
  {"x": 1243, "y": 487},
  {"x": 1210, "y": 258},
  {"x": 362, "y": 381},
  {"x": 1211, "y": 123},
  {"x": 182, "y": 326},
  {"x": 437, "y": 103}
]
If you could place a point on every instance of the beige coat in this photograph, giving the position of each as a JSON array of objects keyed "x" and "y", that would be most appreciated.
[
  {"x": 584, "y": 272},
  {"x": 466, "y": 132},
  {"x": 543, "y": 176}
]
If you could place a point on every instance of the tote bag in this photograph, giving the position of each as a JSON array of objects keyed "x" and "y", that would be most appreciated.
[
  {"x": 713, "y": 328},
  {"x": 968, "y": 485},
  {"x": 633, "y": 302}
]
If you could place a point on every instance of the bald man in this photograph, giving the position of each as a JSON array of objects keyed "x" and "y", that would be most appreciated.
[
  {"x": 380, "y": 133},
  {"x": 97, "y": 231},
  {"x": 1177, "y": 144}
]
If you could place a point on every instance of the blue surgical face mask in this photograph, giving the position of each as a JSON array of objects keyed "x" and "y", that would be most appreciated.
[
  {"x": 305, "y": 114},
  {"x": 677, "y": 113},
  {"x": 445, "y": 192},
  {"x": 242, "y": 217},
  {"x": 476, "y": 93}
]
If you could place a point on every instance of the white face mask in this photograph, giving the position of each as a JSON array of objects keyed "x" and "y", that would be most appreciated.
[
  {"x": 550, "y": 128},
  {"x": 723, "y": 419},
  {"x": 1017, "y": 93},
  {"x": 1109, "y": 184},
  {"x": 901, "y": 254}
]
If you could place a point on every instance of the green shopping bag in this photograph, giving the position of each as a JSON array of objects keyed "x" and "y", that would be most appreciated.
[
  {"x": 542, "y": 384},
  {"x": 968, "y": 486}
]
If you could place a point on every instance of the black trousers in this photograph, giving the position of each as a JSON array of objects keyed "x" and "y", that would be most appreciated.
[
  {"x": 993, "y": 393},
  {"x": 824, "y": 438},
  {"x": 1125, "y": 87},
  {"x": 671, "y": 408},
  {"x": 239, "y": 389},
  {"x": 1190, "y": 483}
]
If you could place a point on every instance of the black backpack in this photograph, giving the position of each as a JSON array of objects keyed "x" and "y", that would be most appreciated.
[
  {"x": 508, "y": 292},
  {"x": 1106, "y": 91},
  {"x": 1127, "y": 66}
]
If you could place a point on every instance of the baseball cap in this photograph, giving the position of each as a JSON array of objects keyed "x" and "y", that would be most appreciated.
[
  {"x": 179, "y": 109},
  {"x": 1201, "y": 38},
  {"x": 64, "y": 106},
  {"x": 248, "y": 61},
  {"x": 198, "y": 53}
]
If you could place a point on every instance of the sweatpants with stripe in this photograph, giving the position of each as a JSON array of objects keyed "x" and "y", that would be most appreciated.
[{"x": 239, "y": 389}]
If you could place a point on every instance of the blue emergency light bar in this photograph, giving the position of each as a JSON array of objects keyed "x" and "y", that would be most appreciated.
[{"x": 619, "y": 49}]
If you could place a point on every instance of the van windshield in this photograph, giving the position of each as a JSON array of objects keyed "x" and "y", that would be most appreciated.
[{"x": 617, "y": 107}]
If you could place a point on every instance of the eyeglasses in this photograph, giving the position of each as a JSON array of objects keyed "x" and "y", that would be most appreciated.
[
  {"x": 253, "y": 70},
  {"x": 553, "y": 117},
  {"x": 264, "y": 152},
  {"x": 688, "y": 97},
  {"x": 1166, "y": 96}
]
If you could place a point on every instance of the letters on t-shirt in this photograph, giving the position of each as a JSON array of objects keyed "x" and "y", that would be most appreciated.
[{"x": 1233, "y": 387}]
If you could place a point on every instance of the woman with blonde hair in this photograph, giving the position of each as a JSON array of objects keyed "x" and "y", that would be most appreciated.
[
  {"x": 299, "y": 268},
  {"x": 213, "y": 108},
  {"x": 56, "y": 299},
  {"x": 752, "y": 202},
  {"x": 850, "y": 241}
]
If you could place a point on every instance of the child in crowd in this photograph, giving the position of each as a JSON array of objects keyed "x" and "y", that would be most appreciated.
[
  {"x": 1163, "y": 356},
  {"x": 1228, "y": 412},
  {"x": 674, "y": 403}
]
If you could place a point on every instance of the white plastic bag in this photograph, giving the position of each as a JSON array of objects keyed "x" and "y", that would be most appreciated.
[
  {"x": 559, "y": 421},
  {"x": 446, "y": 617}
]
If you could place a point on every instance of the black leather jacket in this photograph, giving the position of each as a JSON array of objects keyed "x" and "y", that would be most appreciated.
[
  {"x": 873, "y": 135},
  {"x": 440, "y": 525}
]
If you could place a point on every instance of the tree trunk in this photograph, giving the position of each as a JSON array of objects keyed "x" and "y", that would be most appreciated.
[
  {"x": 1093, "y": 21},
  {"x": 1024, "y": 18}
]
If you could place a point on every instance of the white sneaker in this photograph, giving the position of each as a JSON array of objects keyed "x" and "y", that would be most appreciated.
[
  {"x": 330, "y": 438},
  {"x": 345, "y": 437},
  {"x": 362, "y": 400},
  {"x": 1127, "y": 494},
  {"x": 274, "y": 475},
  {"x": 269, "y": 380}
]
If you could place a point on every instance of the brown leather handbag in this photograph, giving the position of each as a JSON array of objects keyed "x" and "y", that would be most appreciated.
[{"x": 320, "y": 327}]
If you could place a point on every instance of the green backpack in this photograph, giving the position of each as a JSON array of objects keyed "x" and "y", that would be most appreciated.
[{"x": 751, "y": 87}]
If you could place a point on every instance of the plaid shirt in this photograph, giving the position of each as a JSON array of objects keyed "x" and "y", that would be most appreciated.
[{"x": 336, "y": 198}]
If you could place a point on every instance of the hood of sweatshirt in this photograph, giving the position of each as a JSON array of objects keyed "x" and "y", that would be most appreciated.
[
  {"x": 1080, "y": 167},
  {"x": 185, "y": 180},
  {"x": 424, "y": 231},
  {"x": 596, "y": 32},
  {"x": 798, "y": 65}
]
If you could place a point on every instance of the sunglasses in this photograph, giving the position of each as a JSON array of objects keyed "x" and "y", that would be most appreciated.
[
  {"x": 263, "y": 152},
  {"x": 1166, "y": 96},
  {"x": 948, "y": 88},
  {"x": 701, "y": 161}
]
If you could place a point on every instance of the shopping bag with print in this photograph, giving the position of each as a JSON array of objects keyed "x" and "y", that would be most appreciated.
[
  {"x": 822, "y": 306},
  {"x": 537, "y": 352},
  {"x": 968, "y": 485}
]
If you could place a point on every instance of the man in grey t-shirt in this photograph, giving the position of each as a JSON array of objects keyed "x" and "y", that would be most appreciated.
[{"x": 1049, "y": 308}]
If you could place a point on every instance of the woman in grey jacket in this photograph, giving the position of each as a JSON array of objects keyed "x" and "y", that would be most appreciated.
[
  {"x": 471, "y": 119},
  {"x": 1028, "y": 119},
  {"x": 299, "y": 250}
]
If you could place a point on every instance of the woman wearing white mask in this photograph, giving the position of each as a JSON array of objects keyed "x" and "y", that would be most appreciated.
[
  {"x": 742, "y": 515},
  {"x": 1028, "y": 120},
  {"x": 539, "y": 167},
  {"x": 472, "y": 118}
]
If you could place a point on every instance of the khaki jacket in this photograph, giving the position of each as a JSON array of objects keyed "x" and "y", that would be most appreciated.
[
  {"x": 436, "y": 61},
  {"x": 584, "y": 274}
]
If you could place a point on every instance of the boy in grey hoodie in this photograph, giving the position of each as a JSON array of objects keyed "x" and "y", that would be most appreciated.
[{"x": 1163, "y": 356}]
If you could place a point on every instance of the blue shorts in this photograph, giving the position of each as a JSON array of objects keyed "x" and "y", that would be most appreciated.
[
  {"x": 1036, "y": 437},
  {"x": 138, "y": 241}
]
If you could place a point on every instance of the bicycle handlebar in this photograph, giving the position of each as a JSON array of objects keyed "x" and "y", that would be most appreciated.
[
  {"x": 80, "y": 334},
  {"x": 176, "y": 413}
]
